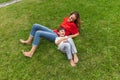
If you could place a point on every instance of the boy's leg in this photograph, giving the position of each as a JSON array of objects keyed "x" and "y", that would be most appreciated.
[
  {"x": 74, "y": 50},
  {"x": 73, "y": 47},
  {"x": 66, "y": 48}
]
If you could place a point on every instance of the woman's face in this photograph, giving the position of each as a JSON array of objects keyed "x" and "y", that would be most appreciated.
[{"x": 72, "y": 18}]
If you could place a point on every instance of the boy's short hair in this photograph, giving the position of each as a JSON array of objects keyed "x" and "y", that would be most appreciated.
[{"x": 60, "y": 28}]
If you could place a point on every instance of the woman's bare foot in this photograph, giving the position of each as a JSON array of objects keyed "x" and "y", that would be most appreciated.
[
  {"x": 72, "y": 63},
  {"x": 75, "y": 58},
  {"x": 27, "y": 54},
  {"x": 24, "y": 42}
]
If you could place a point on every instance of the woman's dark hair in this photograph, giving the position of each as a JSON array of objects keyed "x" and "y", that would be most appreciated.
[{"x": 77, "y": 21}]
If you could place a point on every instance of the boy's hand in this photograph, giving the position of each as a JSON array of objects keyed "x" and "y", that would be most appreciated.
[{"x": 64, "y": 40}]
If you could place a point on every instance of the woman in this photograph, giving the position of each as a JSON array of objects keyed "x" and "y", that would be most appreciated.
[{"x": 70, "y": 24}]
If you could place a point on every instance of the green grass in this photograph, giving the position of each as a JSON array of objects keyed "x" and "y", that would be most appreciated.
[
  {"x": 98, "y": 43},
  {"x": 1, "y": 1}
]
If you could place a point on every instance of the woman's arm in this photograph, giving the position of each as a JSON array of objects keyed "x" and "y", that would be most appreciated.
[{"x": 74, "y": 35}]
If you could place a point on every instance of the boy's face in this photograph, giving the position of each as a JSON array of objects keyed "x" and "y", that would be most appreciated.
[{"x": 61, "y": 33}]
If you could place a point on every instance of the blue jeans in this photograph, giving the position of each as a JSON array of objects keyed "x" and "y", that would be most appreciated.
[{"x": 39, "y": 31}]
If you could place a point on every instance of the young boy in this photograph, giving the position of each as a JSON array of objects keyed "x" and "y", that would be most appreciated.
[{"x": 66, "y": 45}]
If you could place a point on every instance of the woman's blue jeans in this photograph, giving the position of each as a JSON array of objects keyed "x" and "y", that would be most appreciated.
[{"x": 39, "y": 31}]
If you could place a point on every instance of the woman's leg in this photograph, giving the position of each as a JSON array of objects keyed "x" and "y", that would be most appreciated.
[
  {"x": 48, "y": 35},
  {"x": 38, "y": 27},
  {"x": 35, "y": 27},
  {"x": 30, "y": 53},
  {"x": 74, "y": 50},
  {"x": 28, "y": 41},
  {"x": 66, "y": 48}
]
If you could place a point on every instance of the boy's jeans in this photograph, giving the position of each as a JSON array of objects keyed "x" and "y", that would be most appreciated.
[{"x": 69, "y": 48}]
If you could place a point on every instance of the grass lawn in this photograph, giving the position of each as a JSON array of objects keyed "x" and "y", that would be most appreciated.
[
  {"x": 1, "y": 1},
  {"x": 98, "y": 43}
]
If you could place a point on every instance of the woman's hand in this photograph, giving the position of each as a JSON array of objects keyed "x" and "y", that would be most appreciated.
[{"x": 74, "y": 35}]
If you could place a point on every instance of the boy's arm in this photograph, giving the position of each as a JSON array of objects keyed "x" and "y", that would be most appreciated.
[{"x": 60, "y": 40}]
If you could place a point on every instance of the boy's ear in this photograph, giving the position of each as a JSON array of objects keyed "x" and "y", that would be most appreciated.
[{"x": 58, "y": 32}]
